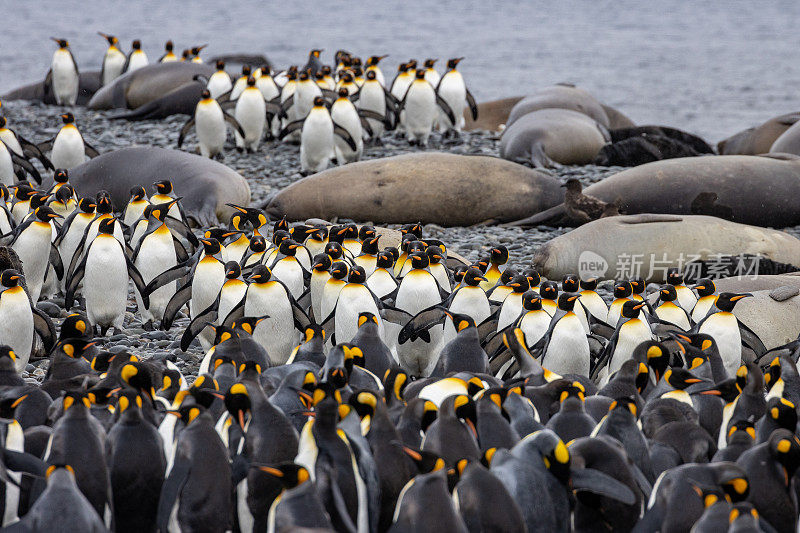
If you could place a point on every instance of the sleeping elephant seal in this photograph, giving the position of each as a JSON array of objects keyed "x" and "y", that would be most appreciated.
[
  {"x": 788, "y": 142},
  {"x": 88, "y": 84},
  {"x": 548, "y": 137},
  {"x": 164, "y": 88},
  {"x": 492, "y": 115},
  {"x": 775, "y": 321},
  {"x": 560, "y": 96},
  {"x": 617, "y": 119},
  {"x": 757, "y": 140},
  {"x": 638, "y": 145},
  {"x": 759, "y": 190},
  {"x": 444, "y": 189},
  {"x": 614, "y": 247},
  {"x": 205, "y": 185}
]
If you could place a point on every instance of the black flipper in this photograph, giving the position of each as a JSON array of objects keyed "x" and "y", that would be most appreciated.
[
  {"x": 74, "y": 278},
  {"x": 184, "y": 130},
  {"x": 55, "y": 261},
  {"x": 446, "y": 108},
  {"x": 178, "y": 300},
  {"x": 45, "y": 328},
  {"x": 173, "y": 274},
  {"x": 345, "y": 135},
  {"x": 90, "y": 150},
  {"x": 472, "y": 105},
  {"x": 138, "y": 280},
  {"x": 290, "y": 127},
  {"x": 596, "y": 482},
  {"x": 421, "y": 323},
  {"x": 25, "y": 164},
  {"x": 198, "y": 324},
  {"x": 171, "y": 490},
  {"x": 233, "y": 122}
]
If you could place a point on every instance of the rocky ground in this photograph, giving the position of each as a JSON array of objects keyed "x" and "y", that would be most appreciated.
[{"x": 273, "y": 167}]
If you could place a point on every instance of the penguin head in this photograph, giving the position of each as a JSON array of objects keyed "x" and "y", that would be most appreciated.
[
  {"x": 185, "y": 55},
  {"x": 499, "y": 255},
  {"x": 5, "y": 194},
  {"x": 667, "y": 293},
  {"x": 103, "y": 203},
  {"x": 339, "y": 270},
  {"x": 39, "y": 199},
  {"x": 419, "y": 260},
  {"x": 588, "y": 284},
  {"x": 548, "y": 290},
  {"x": 279, "y": 236},
  {"x": 411, "y": 64},
  {"x": 429, "y": 63},
  {"x": 374, "y": 60},
  {"x": 64, "y": 194},
  {"x": 631, "y": 309},
  {"x": 705, "y": 287},
  {"x": 357, "y": 275},
  {"x": 220, "y": 65},
  {"x": 637, "y": 285},
  {"x": 336, "y": 371},
  {"x": 87, "y": 205},
  {"x": 744, "y": 429},
  {"x": 314, "y": 331},
  {"x": 680, "y": 378},
  {"x": 464, "y": 408},
  {"x": 371, "y": 76},
  {"x": 232, "y": 270},
  {"x": 413, "y": 229},
  {"x": 7, "y": 353},
  {"x": 163, "y": 187},
  {"x": 473, "y": 277},
  {"x": 62, "y": 43},
  {"x": 531, "y": 301},
  {"x": 570, "y": 283},
  {"x": 674, "y": 276},
  {"x": 461, "y": 321},
  {"x": 343, "y": 92},
  {"x": 534, "y": 279},
  {"x": 315, "y": 53},
  {"x": 322, "y": 262},
  {"x": 554, "y": 453},
  {"x": 75, "y": 400},
  {"x": 453, "y": 63},
  {"x": 3, "y": 123},
  {"x": 45, "y": 214},
  {"x": 370, "y": 246},
  {"x": 288, "y": 247},
  {"x": 319, "y": 102},
  {"x": 419, "y": 75},
  {"x": 197, "y": 49},
  {"x": 395, "y": 381},
  {"x": 138, "y": 377},
  {"x": 783, "y": 412},
  {"x": 205, "y": 96},
  {"x": 168, "y": 46},
  {"x": 773, "y": 373},
  {"x": 291, "y": 74},
  {"x": 136, "y": 44},
  {"x": 784, "y": 447},
  {"x": 519, "y": 284},
  {"x": 237, "y": 402},
  {"x": 257, "y": 244},
  {"x": 61, "y": 175},
  {"x": 266, "y": 70},
  {"x": 566, "y": 301},
  {"x": 171, "y": 380},
  {"x": 709, "y": 495},
  {"x": 365, "y": 317},
  {"x": 425, "y": 461},
  {"x": 188, "y": 412},
  {"x": 247, "y": 325},
  {"x": 366, "y": 233},
  {"x": 106, "y": 226},
  {"x": 128, "y": 400},
  {"x": 622, "y": 289},
  {"x": 364, "y": 402},
  {"x": 402, "y": 67},
  {"x": 625, "y": 404},
  {"x": 23, "y": 191},
  {"x": 290, "y": 475},
  {"x": 435, "y": 254},
  {"x": 458, "y": 274},
  {"x": 574, "y": 390},
  {"x": 251, "y": 81},
  {"x": 412, "y": 246},
  {"x": 211, "y": 246},
  {"x": 260, "y": 274},
  {"x": 573, "y": 185},
  {"x": 112, "y": 41},
  {"x": 160, "y": 211},
  {"x": 726, "y": 301}
]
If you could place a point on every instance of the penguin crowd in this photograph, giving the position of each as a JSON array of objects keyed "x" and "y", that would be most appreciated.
[
  {"x": 351, "y": 386},
  {"x": 331, "y": 110}
]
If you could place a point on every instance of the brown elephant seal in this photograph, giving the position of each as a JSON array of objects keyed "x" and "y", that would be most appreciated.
[
  {"x": 560, "y": 96},
  {"x": 775, "y": 321},
  {"x": 548, "y": 137},
  {"x": 758, "y": 282},
  {"x": 788, "y": 142},
  {"x": 88, "y": 84},
  {"x": 759, "y": 139},
  {"x": 638, "y": 145},
  {"x": 164, "y": 88},
  {"x": 444, "y": 189},
  {"x": 758, "y": 190},
  {"x": 614, "y": 247},
  {"x": 492, "y": 116},
  {"x": 205, "y": 185},
  {"x": 616, "y": 118}
]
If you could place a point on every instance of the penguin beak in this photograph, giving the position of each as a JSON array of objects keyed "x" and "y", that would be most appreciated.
[{"x": 740, "y": 296}]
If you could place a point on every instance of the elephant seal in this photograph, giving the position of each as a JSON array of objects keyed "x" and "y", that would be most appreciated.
[
  {"x": 617, "y": 119},
  {"x": 614, "y": 247},
  {"x": 205, "y": 185},
  {"x": 549, "y": 136},
  {"x": 439, "y": 188},
  {"x": 88, "y": 84},
  {"x": 759, "y": 190},
  {"x": 166, "y": 88},
  {"x": 757, "y": 140},
  {"x": 560, "y": 96},
  {"x": 492, "y": 115},
  {"x": 788, "y": 142},
  {"x": 757, "y": 283},
  {"x": 776, "y": 322},
  {"x": 630, "y": 147}
]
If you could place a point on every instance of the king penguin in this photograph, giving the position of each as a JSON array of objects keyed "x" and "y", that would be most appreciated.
[
  {"x": 113, "y": 60},
  {"x": 69, "y": 149},
  {"x": 419, "y": 110},
  {"x": 219, "y": 82},
  {"x": 453, "y": 90},
  {"x": 565, "y": 347},
  {"x": 32, "y": 243},
  {"x": 723, "y": 325},
  {"x": 63, "y": 74},
  {"x": 209, "y": 121},
  {"x": 136, "y": 58},
  {"x": 169, "y": 55},
  {"x": 251, "y": 114}
]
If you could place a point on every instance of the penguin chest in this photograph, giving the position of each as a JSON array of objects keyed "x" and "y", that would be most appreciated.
[
  {"x": 231, "y": 294},
  {"x": 6, "y": 167},
  {"x": 206, "y": 283},
  {"x": 316, "y": 139},
  {"x": 418, "y": 290},
  {"x": 381, "y": 282},
  {"x": 251, "y": 113},
  {"x": 534, "y": 324},
  {"x": 68, "y": 148},
  {"x": 267, "y": 87},
  {"x": 33, "y": 248},
  {"x": 210, "y": 124},
  {"x": 471, "y": 301},
  {"x": 631, "y": 334},
  {"x": 16, "y": 322},
  {"x": 65, "y": 77},
  {"x": 420, "y": 108},
  {"x": 105, "y": 282},
  {"x": 568, "y": 349},
  {"x": 512, "y": 307},
  {"x": 686, "y": 298},
  {"x": 317, "y": 287},
  {"x": 219, "y": 84},
  {"x": 454, "y": 92},
  {"x": 329, "y": 296},
  {"x": 137, "y": 61},
  {"x": 614, "y": 311},
  {"x": 702, "y": 307},
  {"x": 353, "y": 300},
  {"x": 10, "y": 140},
  {"x": 724, "y": 327},
  {"x": 594, "y": 304},
  {"x": 343, "y": 113},
  {"x": 289, "y": 271},
  {"x": 113, "y": 63},
  {"x": 156, "y": 254},
  {"x": 669, "y": 312},
  {"x": 275, "y": 333},
  {"x": 372, "y": 98},
  {"x": 440, "y": 274},
  {"x": 367, "y": 262}
]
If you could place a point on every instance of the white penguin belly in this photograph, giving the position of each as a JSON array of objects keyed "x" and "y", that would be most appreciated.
[
  {"x": 277, "y": 333},
  {"x": 453, "y": 91},
  {"x": 381, "y": 282},
  {"x": 345, "y": 115},
  {"x": 218, "y": 84},
  {"x": 65, "y": 78},
  {"x": 534, "y": 325},
  {"x": 251, "y": 115},
  {"x": 288, "y": 270},
  {"x": 725, "y": 329},
  {"x": 633, "y": 333},
  {"x": 702, "y": 307},
  {"x": 68, "y": 149},
  {"x": 353, "y": 300},
  {"x": 208, "y": 279},
  {"x": 112, "y": 65},
  {"x": 510, "y": 311},
  {"x": 105, "y": 284},
  {"x": 156, "y": 255},
  {"x": 210, "y": 128},
  {"x": 372, "y": 98},
  {"x": 418, "y": 291},
  {"x": 316, "y": 143},
  {"x": 7, "y": 176},
  {"x": 594, "y": 304},
  {"x": 232, "y": 293},
  {"x": 33, "y": 248},
  {"x": 568, "y": 349},
  {"x": 669, "y": 312},
  {"x": 16, "y": 324},
  {"x": 420, "y": 113}
]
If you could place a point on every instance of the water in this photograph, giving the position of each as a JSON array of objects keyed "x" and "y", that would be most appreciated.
[{"x": 712, "y": 68}]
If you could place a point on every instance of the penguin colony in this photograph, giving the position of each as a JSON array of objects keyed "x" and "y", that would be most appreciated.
[{"x": 351, "y": 386}]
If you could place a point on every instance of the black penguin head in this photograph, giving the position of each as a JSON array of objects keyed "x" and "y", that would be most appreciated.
[
  {"x": 251, "y": 81},
  {"x": 64, "y": 194},
  {"x": 482, "y": 264},
  {"x": 339, "y": 270},
  {"x": 726, "y": 301},
  {"x": 23, "y": 191},
  {"x": 784, "y": 447},
  {"x": 366, "y": 233},
  {"x": 412, "y": 64},
  {"x": 395, "y": 381},
  {"x": 464, "y": 408},
  {"x": 136, "y": 44},
  {"x": 519, "y": 284},
  {"x": 420, "y": 74},
  {"x": 211, "y": 246},
  {"x": 638, "y": 285},
  {"x": 322, "y": 262},
  {"x": 315, "y": 53},
  {"x": 370, "y": 246},
  {"x": 364, "y": 402},
  {"x": 624, "y": 404},
  {"x": 426, "y": 461},
  {"x": 138, "y": 377},
  {"x": 402, "y": 67},
  {"x": 705, "y": 287},
  {"x": 106, "y": 226},
  {"x": 745, "y": 428},
  {"x": 168, "y": 46},
  {"x": 6, "y": 352},
  {"x": 45, "y": 214},
  {"x": 570, "y": 283},
  {"x": 366, "y": 317},
  {"x": 39, "y": 199},
  {"x": 631, "y": 309},
  {"x": 573, "y": 185},
  {"x": 429, "y": 63},
  {"x": 290, "y": 475},
  {"x": 232, "y": 270},
  {"x": 566, "y": 301},
  {"x": 61, "y": 175},
  {"x": 137, "y": 193},
  {"x": 783, "y": 412},
  {"x": 185, "y": 55},
  {"x": 246, "y": 70},
  {"x": 163, "y": 187},
  {"x": 473, "y": 277},
  {"x": 3, "y": 123},
  {"x": 622, "y": 289},
  {"x": 680, "y": 378},
  {"x": 237, "y": 402},
  {"x": 206, "y": 94},
  {"x": 461, "y": 322},
  {"x": 128, "y": 399},
  {"x": 112, "y": 41},
  {"x": 103, "y": 203},
  {"x": 357, "y": 275},
  {"x": 288, "y": 247},
  {"x": 453, "y": 63},
  {"x": 196, "y": 49},
  {"x": 247, "y": 324},
  {"x": 531, "y": 301},
  {"x": 160, "y": 211},
  {"x": 260, "y": 274},
  {"x": 554, "y": 453},
  {"x": 588, "y": 284},
  {"x": 412, "y": 245},
  {"x": 62, "y": 43},
  {"x": 279, "y": 236},
  {"x": 188, "y": 412},
  {"x": 343, "y": 92},
  {"x": 75, "y": 400},
  {"x": 534, "y": 279},
  {"x": 548, "y": 290},
  {"x": 419, "y": 260},
  {"x": 412, "y": 229},
  {"x": 435, "y": 254},
  {"x": 266, "y": 70},
  {"x": 319, "y": 102},
  {"x": 655, "y": 354},
  {"x": 674, "y": 277},
  {"x": 220, "y": 64},
  {"x": 87, "y": 205},
  {"x": 499, "y": 255},
  {"x": 371, "y": 76},
  {"x": 668, "y": 293}
]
